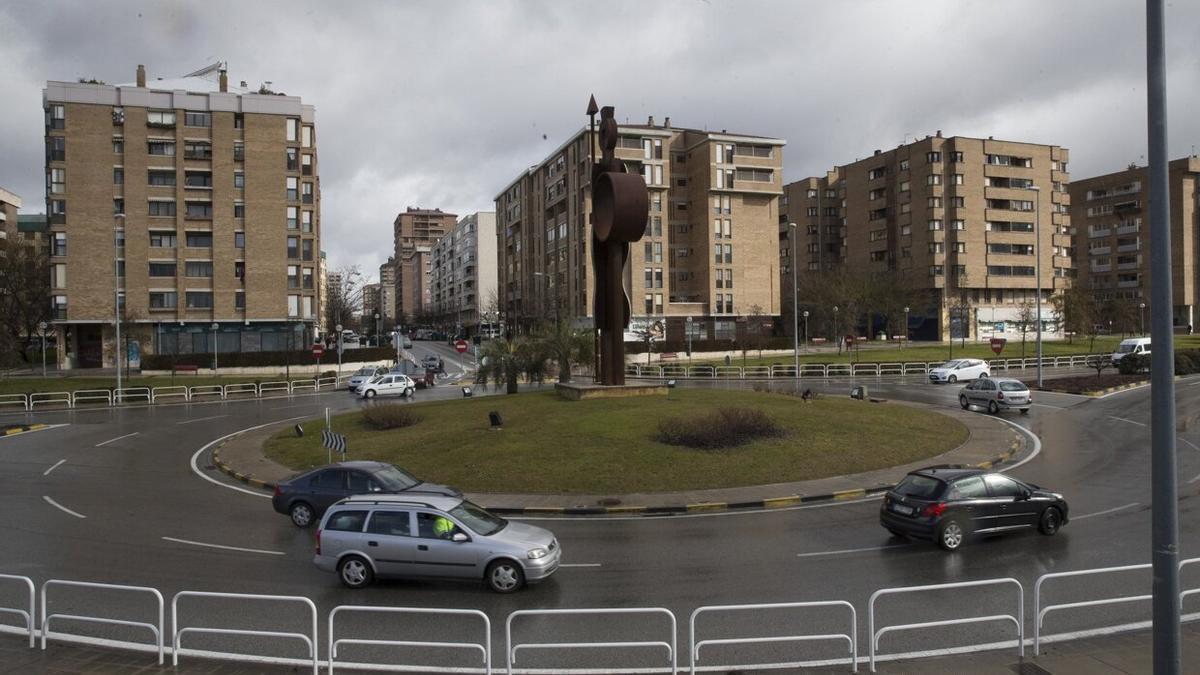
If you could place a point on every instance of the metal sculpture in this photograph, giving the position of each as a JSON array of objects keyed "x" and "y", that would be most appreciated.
[{"x": 620, "y": 205}]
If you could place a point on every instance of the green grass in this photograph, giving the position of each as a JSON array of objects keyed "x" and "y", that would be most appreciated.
[
  {"x": 606, "y": 446},
  {"x": 929, "y": 353},
  {"x": 26, "y": 385}
]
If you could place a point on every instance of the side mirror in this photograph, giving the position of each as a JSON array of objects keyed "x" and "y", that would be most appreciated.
[
  {"x": 1026, "y": 495},
  {"x": 459, "y": 537}
]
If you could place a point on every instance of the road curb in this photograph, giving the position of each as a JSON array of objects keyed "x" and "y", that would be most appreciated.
[
  {"x": 230, "y": 471},
  {"x": 15, "y": 429}
]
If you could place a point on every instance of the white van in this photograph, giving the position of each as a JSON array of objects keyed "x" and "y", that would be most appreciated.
[{"x": 1139, "y": 345}]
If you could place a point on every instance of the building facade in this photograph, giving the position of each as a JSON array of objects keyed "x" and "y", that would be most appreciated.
[
  {"x": 387, "y": 293},
  {"x": 708, "y": 251},
  {"x": 32, "y": 229},
  {"x": 415, "y": 230},
  {"x": 954, "y": 219},
  {"x": 463, "y": 277},
  {"x": 370, "y": 307},
  {"x": 9, "y": 205},
  {"x": 1113, "y": 257},
  {"x": 196, "y": 202}
]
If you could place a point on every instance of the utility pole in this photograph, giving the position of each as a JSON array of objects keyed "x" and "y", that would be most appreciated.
[
  {"x": 1037, "y": 271},
  {"x": 795, "y": 315}
]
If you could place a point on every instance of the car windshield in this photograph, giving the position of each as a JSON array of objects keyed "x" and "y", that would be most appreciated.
[
  {"x": 1126, "y": 347},
  {"x": 952, "y": 364},
  {"x": 365, "y": 371},
  {"x": 375, "y": 380},
  {"x": 1013, "y": 386},
  {"x": 922, "y": 487},
  {"x": 393, "y": 478},
  {"x": 481, "y": 522}
]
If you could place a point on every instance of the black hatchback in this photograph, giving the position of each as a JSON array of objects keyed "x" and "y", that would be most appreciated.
[
  {"x": 305, "y": 497},
  {"x": 948, "y": 504}
]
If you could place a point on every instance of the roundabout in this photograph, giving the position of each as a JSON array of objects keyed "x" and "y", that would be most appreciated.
[{"x": 111, "y": 496}]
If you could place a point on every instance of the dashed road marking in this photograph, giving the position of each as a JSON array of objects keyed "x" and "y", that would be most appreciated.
[
  {"x": 113, "y": 440},
  {"x": 579, "y": 565},
  {"x": 1105, "y": 512},
  {"x": 223, "y": 547},
  {"x": 202, "y": 419},
  {"x": 62, "y": 508},
  {"x": 1122, "y": 419},
  {"x": 851, "y": 550},
  {"x": 56, "y": 465}
]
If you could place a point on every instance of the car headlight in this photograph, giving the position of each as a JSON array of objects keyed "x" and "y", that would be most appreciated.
[{"x": 536, "y": 553}]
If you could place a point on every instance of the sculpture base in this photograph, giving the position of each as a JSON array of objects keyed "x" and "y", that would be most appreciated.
[{"x": 575, "y": 391}]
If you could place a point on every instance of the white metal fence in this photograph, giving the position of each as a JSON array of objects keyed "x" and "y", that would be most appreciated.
[
  {"x": 484, "y": 646},
  {"x": 155, "y": 628},
  {"x": 511, "y": 648},
  {"x": 309, "y": 639},
  {"x": 827, "y": 370},
  {"x": 851, "y": 637},
  {"x": 173, "y": 393}
]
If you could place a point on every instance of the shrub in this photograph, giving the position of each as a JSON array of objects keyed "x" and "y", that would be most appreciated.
[
  {"x": 389, "y": 416},
  {"x": 729, "y": 428},
  {"x": 1133, "y": 364},
  {"x": 261, "y": 359},
  {"x": 1187, "y": 362}
]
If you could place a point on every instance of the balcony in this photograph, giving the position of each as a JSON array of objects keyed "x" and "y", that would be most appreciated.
[
  {"x": 1128, "y": 284},
  {"x": 1100, "y": 250},
  {"x": 1128, "y": 229},
  {"x": 1101, "y": 268},
  {"x": 1129, "y": 248},
  {"x": 1095, "y": 233}
]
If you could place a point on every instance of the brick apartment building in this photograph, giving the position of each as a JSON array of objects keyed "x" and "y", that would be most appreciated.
[
  {"x": 463, "y": 277},
  {"x": 199, "y": 200},
  {"x": 415, "y": 230},
  {"x": 708, "y": 251}
]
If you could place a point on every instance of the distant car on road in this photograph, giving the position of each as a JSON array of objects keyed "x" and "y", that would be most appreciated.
[
  {"x": 1140, "y": 346},
  {"x": 947, "y": 505},
  {"x": 430, "y": 536},
  {"x": 363, "y": 375},
  {"x": 431, "y": 361},
  {"x": 389, "y": 384},
  {"x": 305, "y": 497},
  {"x": 959, "y": 369},
  {"x": 1001, "y": 393}
]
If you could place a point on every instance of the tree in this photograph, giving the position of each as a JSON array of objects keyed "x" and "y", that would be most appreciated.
[
  {"x": 504, "y": 361},
  {"x": 1100, "y": 363},
  {"x": 755, "y": 339},
  {"x": 24, "y": 298},
  {"x": 1026, "y": 320},
  {"x": 1122, "y": 314},
  {"x": 566, "y": 346},
  {"x": 1075, "y": 309},
  {"x": 344, "y": 298}
]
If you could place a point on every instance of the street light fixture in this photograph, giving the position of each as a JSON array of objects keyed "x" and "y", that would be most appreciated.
[
  {"x": 338, "y": 328},
  {"x": 1142, "y": 318},
  {"x": 214, "y": 327},
  {"x": 119, "y": 224},
  {"x": 795, "y": 293},
  {"x": 904, "y": 334},
  {"x": 42, "y": 325},
  {"x": 805, "y": 329},
  {"x": 1037, "y": 271}
]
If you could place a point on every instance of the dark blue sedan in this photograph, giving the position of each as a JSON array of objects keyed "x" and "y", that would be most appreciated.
[{"x": 305, "y": 497}]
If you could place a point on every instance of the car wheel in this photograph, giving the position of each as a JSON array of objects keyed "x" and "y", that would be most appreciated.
[
  {"x": 1050, "y": 522},
  {"x": 409, "y": 392},
  {"x": 302, "y": 514},
  {"x": 951, "y": 535},
  {"x": 983, "y": 376},
  {"x": 952, "y": 379},
  {"x": 505, "y": 576},
  {"x": 370, "y": 393},
  {"x": 962, "y": 400},
  {"x": 993, "y": 408},
  {"x": 355, "y": 572}
]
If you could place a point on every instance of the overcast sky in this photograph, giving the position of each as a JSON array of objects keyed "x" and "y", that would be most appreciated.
[{"x": 441, "y": 104}]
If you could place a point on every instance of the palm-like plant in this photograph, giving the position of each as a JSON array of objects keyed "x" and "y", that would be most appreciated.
[
  {"x": 566, "y": 346},
  {"x": 503, "y": 361}
]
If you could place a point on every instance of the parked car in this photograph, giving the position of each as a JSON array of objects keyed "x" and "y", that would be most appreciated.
[
  {"x": 363, "y": 375},
  {"x": 305, "y": 497},
  {"x": 959, "y": 369},
  {"x": 431, "y": 536},
  {"x": 947, "y": 505},
  {"x": 390, "y": 384},
  {"x": 1002, "y": 393},
  {"x": 431, "y": 361},
  {"x": 1138, "y": 346}
]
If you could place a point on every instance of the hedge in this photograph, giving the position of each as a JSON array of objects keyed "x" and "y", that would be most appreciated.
[
  {"x": 264, "y": 359},
  {"x": 752, "y": 344},
  {"x": 1187, "y": 362}
]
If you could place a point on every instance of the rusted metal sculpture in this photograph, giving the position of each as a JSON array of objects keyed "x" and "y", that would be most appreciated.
[{"x": 620, "y": 205}]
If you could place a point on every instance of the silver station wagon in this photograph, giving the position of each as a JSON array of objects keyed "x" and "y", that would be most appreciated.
[
  {"x": 430, "y": 536},
  {"x": 1001, "y": 393}
]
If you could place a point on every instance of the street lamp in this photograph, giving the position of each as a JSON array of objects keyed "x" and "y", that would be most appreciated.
[
  {"x": 688, "y": 320},
  {"x": 795, "y": 293},
  {"x": 378, "y": 330},
  {"x": 120, "y": 218},
  {"x": 806, "y": 329},
  {"x": 338, "y": 328},
  {"x": 214, "y": 327},
  {"x": 1141, "y": 320},
  {"x": 904, "y": 335},
  {"x": 1037, "y": 271},
  {"x": 42, "y": 329},
  {"x": 836, "y": 337}
]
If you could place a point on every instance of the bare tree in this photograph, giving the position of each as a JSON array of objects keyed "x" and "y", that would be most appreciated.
[
  {"x": 344, "y": 298},
  {"x": 1026, "y": 321},
  {"x": 24, "y": 298},
  {"x": 1099, "y": 363}
]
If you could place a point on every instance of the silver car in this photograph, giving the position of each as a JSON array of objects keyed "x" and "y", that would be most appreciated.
[
  {"x": 1002, "y": 393},
  {"x": 431, "y": 536}
]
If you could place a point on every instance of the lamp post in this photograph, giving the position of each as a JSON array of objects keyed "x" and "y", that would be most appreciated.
[
  {"x": 806, "y": 329},
  {"x": 688, "y": 321},
  {"x": 338, "y": 328},
  {"x": 120, "y": 217},
  {"x": 1142, "y": 318},
  {"x": 214, "y": 327},
  {"x": 904, "y": 335},
  {"x": 795, "y": 314},
  {"x": 42, "y": 329},
  {"x": 836, "y": 337},
  {"x": 378, "y": 330},
  {"x": 1037, "y": 271}
]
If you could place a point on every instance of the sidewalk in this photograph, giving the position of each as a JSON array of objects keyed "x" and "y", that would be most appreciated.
[
  {"x": 1127, "y": 653},
  {"x": 990, "y": 443}
]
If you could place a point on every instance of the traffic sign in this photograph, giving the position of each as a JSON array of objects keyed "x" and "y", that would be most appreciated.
[
  {"x": 460, "y": 346},
  {"x": 998, "y": 345},
  {"x": 318, "y": 351}
]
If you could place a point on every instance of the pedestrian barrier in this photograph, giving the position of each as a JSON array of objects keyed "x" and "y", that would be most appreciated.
[
  {"x": 865, "y": 369},
  {"x": 701, "y": 371},
  {"x": 911, "y": 368},
  {"x": 50, "y": 397},
  {"x": 132, "y": 394},
  {"x": 1018, "y": 618},
  {"x": 15, "y": 399},
  {"x": 268, "y": 387},
  {"x": 850, "y": 637},
  {"x": 484, "y": 647},
  {"x": 1191, "y": 591},
  {"x": 27, "y": 615},
  {"x": 309, "y": 639},
  {"x": 168, "y": 392},
  {"x": 891, "y": 369},
  {"x": 91, "y": 396},
  {"x": 833, "y": 369},
  {"x": 756, "y": 371},
  {"x": 673, "y": 371},
  {"x": 206, "y": 390},
  {"x": 244, "y": 388},
  {"x": 511, "y": 648},
  {"x": 728, "y": 371},
  {"x": 155, "y": 628},
  {"x": 812, "y": 369},
  {"x": 330, "y": 382},
  {"x": 303, "y": 385},
  {"x": 783, "y": 371}
]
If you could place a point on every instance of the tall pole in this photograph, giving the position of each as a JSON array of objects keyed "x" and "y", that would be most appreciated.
[
  {"x": 795, "y": 315},
  {"x": 1037, "y": 271},
  {"x": 117, "y": 307},
  {"x": 1164, "y": 504}
]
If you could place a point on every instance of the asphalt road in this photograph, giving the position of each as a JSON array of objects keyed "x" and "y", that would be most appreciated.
[{"x": 111, "y": 496}]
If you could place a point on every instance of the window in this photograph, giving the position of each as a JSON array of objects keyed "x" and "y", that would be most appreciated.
[
  {"x": 306, "y": 307},
  {"x": 163, "y": 240},
  {"x": 307, "y": 275},
  {"x": 293, "y": 162},
  {"x": 293, "y": 276},
  {"x": 308, "y": 193},
  {"x": 933, "y": 179},
  {"x": 345, "y": 521},
  {"x": 162, "y": 269},
  {"x": 160, "y": 177},
  {"x": 199, "y": 299},
  {"x": 956, "y": 156},
  {"x": 161, "y": 208},
  {"x": 935, "y": 225},
  {"x": 878, "y": 172},
  {"x": 906, "y": 207},
  {"x": 56, "y": 117},
  {"x": 393, "y": 523},
  {"x": 197, "y": 119},
  {"x": 1001, "y": 486},
  {"x": 936, "y": 270},
  {"x": 239, "y": 152},
  {"x": 933, "y": 202},
  {"x": 198, "y": 269},
  {"x": 160, "y": 118},
  {"x": 119, "y": 205},
  {"x": 199, "y": 209},
  {"x": 904, "y": 165},
  {"x": 292, "y": 223},
  {"x": 306, "y": 165},
  {"x": 239, "y": 179},
  {"x": 958, "y": 202},
  {"x": 199, "y": 239},
  {"x": 960, "y": 247},
  {"x": 239, "y": 240},
  {"x": 905, "y": 230},
  {"x": 239, "y": 121},
  {"x": 649, "y": 303},
  {"x": 658, "y": 248},
  {"x": 197, "y": 150},
  {"x": 164, "y": 300},
  {"x": 306, "y": 250},
  {"x": 877, "y": 193},
  {"x": 717, "y": 253},
  {"x": 905, "y": 185},
  {"x": 293, "y": 247},
  {"x": 306, "y": 136},
  {"x": 56, "y": 180},
  {"x": 58, "y": 275},
  {"x": 58, "y": 246},
  {"x": 936, "y": 247},
  {"x": 878, "y": 256},
  {"x": 967, "y": 488},
  {"x": 958, "y": 179},
  {"x": 197, "y": 179},
  {"x": 118, "y": 145},
  {"x": 293, "y": 188},
  {"x": 306, "y": 222},
  {"x": 878, "y": 235},
  {"x": 293, "y": 129},
  {"x": 163, "y": 148},
  {"x": 239, "y": 210},
  {"x": 728, "y": 254},
  {"x": 239, "y": 299},
  {"x": 958, "y": 224},
  {"x": 56, "y": 149},
  {"x": 932, "y": 157}
]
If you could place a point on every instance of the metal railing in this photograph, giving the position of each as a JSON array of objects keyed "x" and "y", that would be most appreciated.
[
  {"x": 303, "y": 385},
  {"x": 206, "y": 390},
  {"x": 15, "y": 399},
  {"x": 1018, "y": 619},
  {"x": 850, "y": 637},
  {"x": 511, "y": 648},
  {"x": 177, "y": 639},
  {"x": 270, "y": 387},
  {"x": 331, "y": 382},
  {"x": 91, "y": 396},
  {"x": 485, "y": 647},
  {"x": 155, "y": 628},
  {"x": 168, "y": 392},
  {"x": 27, "y": 615},
  {"x": 132, "y": 394},
  {"x": 51, "y": 397},
  {"x": 242, "y": 388}
]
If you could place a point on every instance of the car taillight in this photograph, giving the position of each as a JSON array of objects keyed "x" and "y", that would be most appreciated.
[
  {"x": 933, "y": 510},
  {"x": 278, "y": 490},
  {"x": 318, "y": 542}
]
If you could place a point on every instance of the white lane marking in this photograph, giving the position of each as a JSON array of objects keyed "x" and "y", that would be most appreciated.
[
  {"x": 223, "y": 547},
  {"x": 579, "y": 565},
  {"x": 196, "y": 468},
  {"x": 1194, "y": 446},
  {"x": 1123, "y": 391},
  {"x": 851, "y": 550},
  {"x": 62, "y": 508},
  {"x": 113, "y": 440},
  {"x": 288, "y": 407},
  {"x": 1122, "y": 419},
  {"x": 1056, "y": 407},
  {"x": 202, "y": 419},
  {"x": 1037, "y": 443},
  {"x": 56, "y": 465},
  {"x": 1105, "y": 512}
]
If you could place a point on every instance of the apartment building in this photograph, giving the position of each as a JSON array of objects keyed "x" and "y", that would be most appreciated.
[
  {"x": 463, "y": 276},
  {"x": 370, "y": 306},
  {"x": 32, "y": 229},
  {"x": 1113, "y": 255},
  {"x": 10, "y": 203},
  {"x": 196, "y": 201},
  {"x": 955, "y": 218},
  {"x": 708, "y": 251},
  {"x": 387, "y": 293},
  {"x": 415, "y": 230}
]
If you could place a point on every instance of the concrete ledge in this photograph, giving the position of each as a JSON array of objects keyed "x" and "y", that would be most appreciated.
[
  {"x": 20, "y": 429},
  {"x": 575, "y": 391}
]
